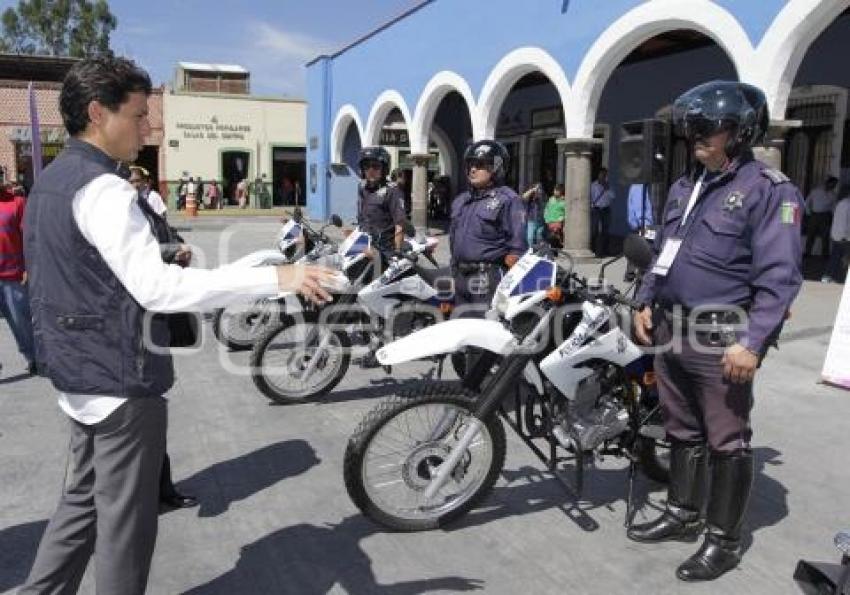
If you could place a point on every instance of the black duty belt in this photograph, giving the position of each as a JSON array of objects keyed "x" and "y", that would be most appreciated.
[
  {"x": 467, "y": 268},
  {"x": 717, "y": 325}
]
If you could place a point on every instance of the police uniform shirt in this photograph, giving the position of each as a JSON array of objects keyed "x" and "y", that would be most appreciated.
[
  {"x": 487, "y": 225},
  {"x": 379, "y": 211},
  {"x": 740, "y": 246}
]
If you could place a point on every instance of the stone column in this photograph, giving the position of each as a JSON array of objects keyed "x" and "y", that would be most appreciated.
[
  {"x": 577, "y": 152},
  {"x": 419, "y": 191},
  {"x": 770, "y": 151}
]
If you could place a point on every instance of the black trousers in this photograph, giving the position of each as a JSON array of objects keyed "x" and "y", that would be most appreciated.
[
  {"x": 697, "y": 403},
  {"x": 474, "y": 291},
  {"x": 600, "y": 220},
  {"x": 818, "y": 226}
]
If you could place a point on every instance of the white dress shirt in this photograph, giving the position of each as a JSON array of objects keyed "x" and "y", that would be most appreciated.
[
  {"x": 840, "y": 231},
  {"x": 600, "y": 196},
  {"x": 820, "y": 200},
  {"x": 156, "y": 202},
  {"x": 108, "y": 217}
]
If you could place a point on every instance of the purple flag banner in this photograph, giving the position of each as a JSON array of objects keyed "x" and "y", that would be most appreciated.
[{"x": 35, "y": 135}]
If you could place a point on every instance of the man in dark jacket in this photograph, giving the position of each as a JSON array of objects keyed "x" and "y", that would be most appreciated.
[{"x": 96, "y": 275}]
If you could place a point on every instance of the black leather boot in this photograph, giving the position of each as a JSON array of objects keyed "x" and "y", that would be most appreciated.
[
  {"x": 731, "y": 483},
  {"x": 685, "y": 496}
]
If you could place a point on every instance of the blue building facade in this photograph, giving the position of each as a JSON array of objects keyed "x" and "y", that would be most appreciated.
[{"x": 550, "y": 74}]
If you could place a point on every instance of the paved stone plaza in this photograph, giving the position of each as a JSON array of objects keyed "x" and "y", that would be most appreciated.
[{"x": 275, "y": 517}]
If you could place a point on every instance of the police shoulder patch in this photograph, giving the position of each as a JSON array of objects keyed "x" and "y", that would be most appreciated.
[{"x": 775, "y": 176}]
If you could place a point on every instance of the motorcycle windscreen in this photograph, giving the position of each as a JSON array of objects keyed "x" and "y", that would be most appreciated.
[
  {"x": 356, "y": 243},
  {"x": 530, "y": 274}
]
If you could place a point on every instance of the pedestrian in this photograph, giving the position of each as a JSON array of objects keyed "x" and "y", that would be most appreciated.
[
  {"x": 173, "y": 250},
  {"x": 96, "y": 275},
  {"x": 555, "y": 216},
  {"x": 140, "y": 179},
  {"x": 380, "y": 204},
  {"x": 200, "y": 188},
  {"x": 819, "y": 205},
  {"x": 14, "y": 297},
  {"x": 840, "y": 235},
  {"x": 639, "y": 208},
  {"x": 242, "y": 193},
  {"x": 487, "y": 230},
  {"x": 535, "y": 201},
  {"x": 213, "y": 199},
  {"x": 182, "y": 191},
  {"x": 601, "y": 198},
  {"x": 727, "y": 268}
]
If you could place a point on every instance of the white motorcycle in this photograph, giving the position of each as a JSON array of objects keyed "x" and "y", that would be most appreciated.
[
  {"x": 405, "y": 298},
  {"x": 238, "y": 327},
  {"x": 552, "y": 347}
]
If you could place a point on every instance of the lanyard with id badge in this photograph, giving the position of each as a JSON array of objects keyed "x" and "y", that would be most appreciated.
[{"x": 671, "y": 246}]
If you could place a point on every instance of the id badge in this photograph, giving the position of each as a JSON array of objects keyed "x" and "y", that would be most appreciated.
[{"x": 667, "y": 256}]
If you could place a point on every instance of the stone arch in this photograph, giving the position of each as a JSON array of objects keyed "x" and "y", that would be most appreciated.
[
  {"x": 504, "y": 76},
  {"x": 785, "y": 43},
  {"x": 383, "y": 105},
  {"x": 636, "y": 26},
  {"x": 440, "y": 85},
  {"x": 345, "y": 117}
]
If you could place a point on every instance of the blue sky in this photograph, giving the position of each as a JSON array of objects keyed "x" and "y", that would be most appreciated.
[{"x": 272, "y": 39}]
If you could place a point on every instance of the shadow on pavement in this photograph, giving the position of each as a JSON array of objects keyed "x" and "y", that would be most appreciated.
[
  {"x": 769, "y": 499},
  {"x": 306, "y": 558},
  {"x": 18, "y": 545},
  {"x": 221, "y": 484},
  {"x": 15, "y": 378}
]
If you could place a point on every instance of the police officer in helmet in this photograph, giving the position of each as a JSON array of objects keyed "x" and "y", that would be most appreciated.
[
  {"x": 727, "y": 267},
  {"x": 487, "y": 230},
  {"x": 380, "y": 205}
]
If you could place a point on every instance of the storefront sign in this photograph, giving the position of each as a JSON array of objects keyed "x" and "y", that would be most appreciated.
[
  {"x": 393, "y": 137},
  {"x": 543, "y": 118},
  {"x": 213, "y": 130}
]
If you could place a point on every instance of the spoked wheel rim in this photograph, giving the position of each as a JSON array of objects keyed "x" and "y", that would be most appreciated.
[
  {"x": 287, "y": 357},
  {"x": 404, "y": 454},
  {"x": 244, "y": 326}
]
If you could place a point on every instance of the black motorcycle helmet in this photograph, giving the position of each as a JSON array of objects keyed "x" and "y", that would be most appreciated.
[
  {"x": 723, "y": 105},
  {"x": 369, "y": 154},
  {"x": 490, "y": 153}
]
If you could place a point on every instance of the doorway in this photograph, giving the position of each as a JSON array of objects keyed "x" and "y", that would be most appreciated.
[
  {"x": 289, "y": 171},
  {"x": 234, "y": 168}
]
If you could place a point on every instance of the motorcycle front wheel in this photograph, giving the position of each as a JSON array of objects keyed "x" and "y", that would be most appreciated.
[
  {"x": 292, "y": 362},
  {"x": 398, "y": 447}
]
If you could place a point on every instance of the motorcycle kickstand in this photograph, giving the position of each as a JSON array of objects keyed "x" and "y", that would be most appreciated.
[{"x": 630, "y": 496}]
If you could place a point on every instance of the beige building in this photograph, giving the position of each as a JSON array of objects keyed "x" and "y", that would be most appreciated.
[{"x": 229, "y": 136}]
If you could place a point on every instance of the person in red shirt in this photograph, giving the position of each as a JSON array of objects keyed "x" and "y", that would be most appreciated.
[{"x": 14, "y": 300}]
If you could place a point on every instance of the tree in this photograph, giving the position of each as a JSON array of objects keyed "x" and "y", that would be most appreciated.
[{"x": 76, "y": 28}]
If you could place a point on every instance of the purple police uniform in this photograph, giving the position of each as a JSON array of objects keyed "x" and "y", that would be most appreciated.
[
  {"x": 486, "y": 226},
  {"x": 740, "y": 247},
  {"x": 379, "y": 211}
]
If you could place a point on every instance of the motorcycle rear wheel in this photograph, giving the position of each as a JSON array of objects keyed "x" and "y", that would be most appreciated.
[{"x": 395, "y": 451}]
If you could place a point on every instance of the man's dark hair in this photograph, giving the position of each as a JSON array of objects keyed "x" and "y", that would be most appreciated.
[{"x": 105, "y": 79}]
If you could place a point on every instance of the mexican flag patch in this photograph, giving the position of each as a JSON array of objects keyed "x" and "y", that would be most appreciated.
[{"x": 790, "y": 213}]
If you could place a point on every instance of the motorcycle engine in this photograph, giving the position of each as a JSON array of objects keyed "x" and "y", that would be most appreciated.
[{"x": 596, "y": 415}]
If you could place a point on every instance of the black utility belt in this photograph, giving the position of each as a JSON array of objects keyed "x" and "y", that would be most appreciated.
[
  {"x": 467, "y": 268},
  {"x": 719, "y": 325}
]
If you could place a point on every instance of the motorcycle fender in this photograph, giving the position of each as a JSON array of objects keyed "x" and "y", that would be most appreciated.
[{"x": 448, "y": 337}]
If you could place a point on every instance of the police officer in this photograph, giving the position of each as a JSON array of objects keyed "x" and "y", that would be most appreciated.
[
  {"x": 487, "y": 230},
  {"x": 727, "y": 267},
  {"x": 380, "y": 205}
]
